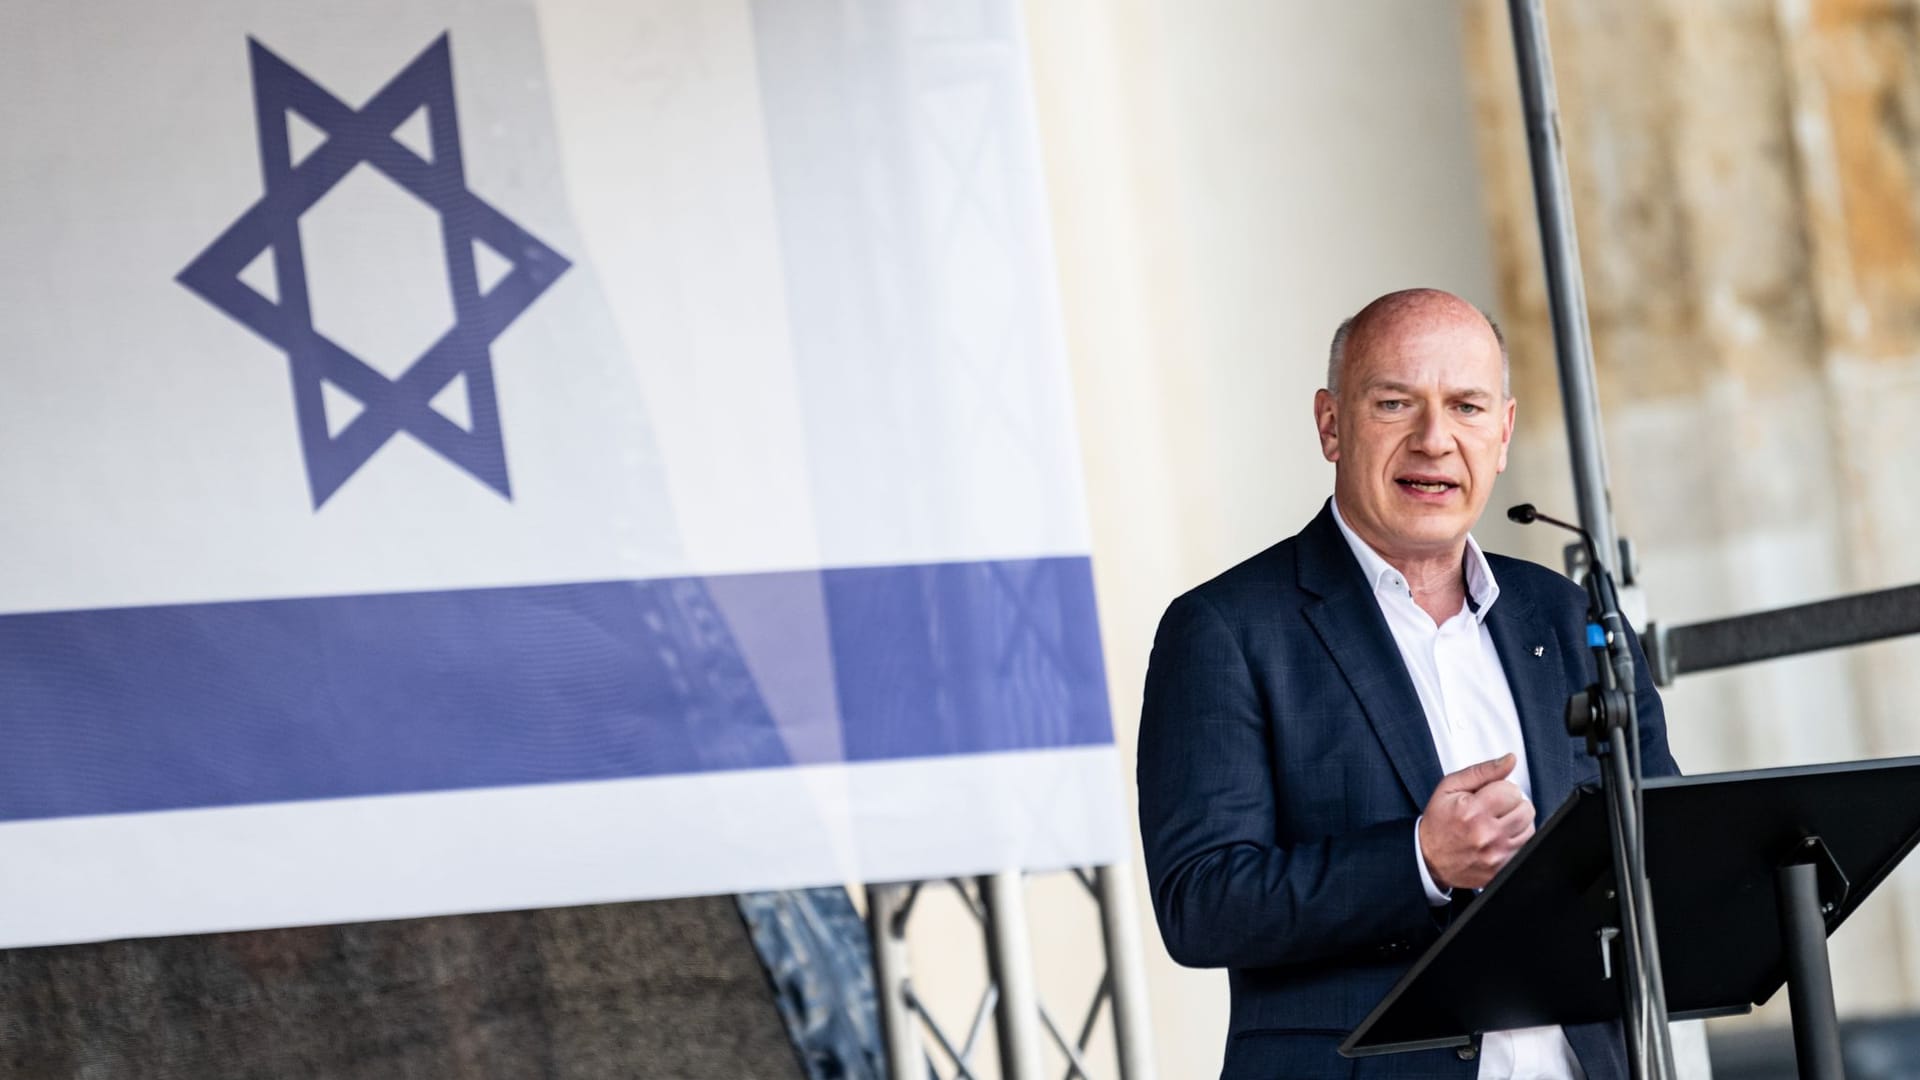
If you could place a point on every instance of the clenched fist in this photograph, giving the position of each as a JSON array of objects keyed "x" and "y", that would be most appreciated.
[{"x": 1474, "y": 823}]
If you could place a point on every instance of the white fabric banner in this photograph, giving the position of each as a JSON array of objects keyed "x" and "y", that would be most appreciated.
[{"x": 479, "y": 455}]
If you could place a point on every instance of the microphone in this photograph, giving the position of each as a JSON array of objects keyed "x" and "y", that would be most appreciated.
[
  {"x": 1527, "y": 514},
  {"x": 1598, "y": 709}
]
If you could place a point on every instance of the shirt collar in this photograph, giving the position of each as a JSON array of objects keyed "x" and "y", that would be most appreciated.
[{"x": 1482, "y": 589}]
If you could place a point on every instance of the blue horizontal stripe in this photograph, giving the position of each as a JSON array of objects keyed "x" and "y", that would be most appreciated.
[{"x": 156, "y": 708}]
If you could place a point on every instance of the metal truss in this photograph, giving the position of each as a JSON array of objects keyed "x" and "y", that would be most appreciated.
[{"x": 997, "y": 903}]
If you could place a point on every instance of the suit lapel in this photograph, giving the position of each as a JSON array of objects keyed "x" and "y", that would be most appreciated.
[
  {"x": 1349, "y": 623},
  {"x": 1539, "y": 694}
]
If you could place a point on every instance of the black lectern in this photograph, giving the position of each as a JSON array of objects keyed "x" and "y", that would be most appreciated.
[{"x": 1750, "y": 871}]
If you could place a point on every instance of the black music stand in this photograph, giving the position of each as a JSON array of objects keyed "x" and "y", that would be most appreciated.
[{"x": 1750, "y": 871}]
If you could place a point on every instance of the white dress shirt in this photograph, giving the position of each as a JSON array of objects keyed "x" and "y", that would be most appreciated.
[{"x": 1470, "y": 711}]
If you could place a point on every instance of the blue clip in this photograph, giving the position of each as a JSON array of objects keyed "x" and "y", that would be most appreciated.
[{"x": 1596, "y": 637}]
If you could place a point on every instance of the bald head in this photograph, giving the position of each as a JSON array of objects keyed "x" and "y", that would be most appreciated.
[
  {"x": 1416, "y": 419},
  {"x": 1403, "y": 312}
]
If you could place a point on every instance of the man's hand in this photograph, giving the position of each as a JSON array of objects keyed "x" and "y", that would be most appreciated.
[{"x": 1474, "y": 823}]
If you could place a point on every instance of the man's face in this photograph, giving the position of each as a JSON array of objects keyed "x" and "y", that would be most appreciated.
[{"x": 1418, "y": 432}]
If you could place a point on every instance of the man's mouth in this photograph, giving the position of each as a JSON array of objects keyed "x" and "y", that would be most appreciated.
[{"x": 1425, "y": 485}]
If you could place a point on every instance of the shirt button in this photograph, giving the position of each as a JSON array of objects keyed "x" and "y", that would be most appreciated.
[{"x": 1467, "y": 1053}]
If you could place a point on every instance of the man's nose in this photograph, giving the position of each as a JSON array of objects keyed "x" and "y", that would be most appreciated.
[{"x": 1432, "y": 437}]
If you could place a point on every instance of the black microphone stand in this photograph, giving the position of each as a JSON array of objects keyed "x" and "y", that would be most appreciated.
[{"x": 1606, "y": 715}]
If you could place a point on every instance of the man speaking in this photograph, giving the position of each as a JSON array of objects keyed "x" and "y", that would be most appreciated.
[{"x": 1348, "y": 733}]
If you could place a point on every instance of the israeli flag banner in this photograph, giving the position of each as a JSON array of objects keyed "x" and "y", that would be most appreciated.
[{"x": 489, "y": 454}]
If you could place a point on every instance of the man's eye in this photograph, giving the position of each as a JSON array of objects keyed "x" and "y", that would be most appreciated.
[
  {"x": 1392, "y": 406},
  {"x": 1469, "y": 408}
]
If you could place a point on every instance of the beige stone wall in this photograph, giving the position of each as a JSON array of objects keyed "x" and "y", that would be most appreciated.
[{"x": 1746, "y": 179}]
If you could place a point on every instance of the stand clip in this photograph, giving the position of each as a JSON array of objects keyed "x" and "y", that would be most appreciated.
[
  {"x": 1596, "y": 714},
  {"x": 1834, "y": 885}
]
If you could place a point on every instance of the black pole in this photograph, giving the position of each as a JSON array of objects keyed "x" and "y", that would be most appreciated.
[
  {"x": 1787, "y": 631},
  {"x": 1560, "y": 256},
  {"x": 1649, "y": 1047},
  {"x": 1803, "y": 935},
  {"x": 1616, "y": 786},
  {"x": 1604, "y": 713}
]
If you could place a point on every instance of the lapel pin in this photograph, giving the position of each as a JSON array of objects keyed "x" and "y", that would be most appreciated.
[{"x": 1539, "y": 650}]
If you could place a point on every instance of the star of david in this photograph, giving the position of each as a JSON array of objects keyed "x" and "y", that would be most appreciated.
[{"x": 352, "y": 137}]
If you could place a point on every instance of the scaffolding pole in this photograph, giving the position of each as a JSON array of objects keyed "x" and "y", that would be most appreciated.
[
  {"x": 1011, "y": 997},
  {"x": 887, "y": 926},
  {"x": 1127, "y": 967},
  {"x": 1010, "y": 959}
]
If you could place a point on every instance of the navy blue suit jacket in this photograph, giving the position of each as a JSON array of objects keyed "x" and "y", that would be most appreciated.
[{"x": 1284, "y": 758}]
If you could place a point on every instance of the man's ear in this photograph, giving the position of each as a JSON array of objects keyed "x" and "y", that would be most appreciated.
[
  {"x": 1326, "y": 415},
  {"x": 1506, "y": 436}
]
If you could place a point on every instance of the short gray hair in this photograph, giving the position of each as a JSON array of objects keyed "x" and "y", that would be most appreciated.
[{"x": 1337, "y": 355}]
